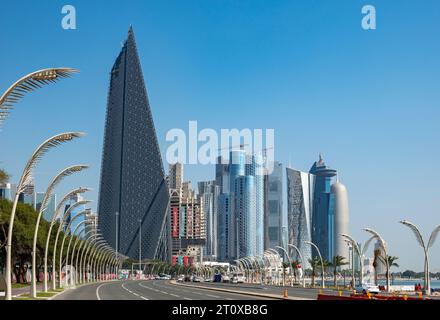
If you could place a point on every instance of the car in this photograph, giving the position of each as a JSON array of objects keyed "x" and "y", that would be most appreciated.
[
  {"x": 367, "y": 288},
  {"x": 226, "y": 278},
  {"x": 197, "y": 279},
  {"x": 234, "y": 280},
  {"x": 208, "y": 279},
  {"x": 181, "y": 279}
]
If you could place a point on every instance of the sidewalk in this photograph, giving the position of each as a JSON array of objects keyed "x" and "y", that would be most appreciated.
[{"x": 27, "y": 289}]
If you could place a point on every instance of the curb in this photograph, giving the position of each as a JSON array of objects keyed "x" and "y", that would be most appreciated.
[{"x": 261, "y": 295}]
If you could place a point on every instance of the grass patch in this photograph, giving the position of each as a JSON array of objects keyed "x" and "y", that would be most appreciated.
[{"x": 20, "y": 285}]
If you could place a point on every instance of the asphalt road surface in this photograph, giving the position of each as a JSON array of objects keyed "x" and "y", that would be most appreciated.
[{"x": 147, "y": 290}]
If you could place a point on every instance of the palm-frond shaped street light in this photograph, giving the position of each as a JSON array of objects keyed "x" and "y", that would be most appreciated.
[
  {"x": 58, "y": 178},
  {"x": 29, "y": 83},
  {"x": 360, "y": 251},
  {"x": 58, "y": 209},
  {"x": 383, "y": 245},
  {"x": 425, "y": 247},
  {"x": 25, "y": 180}
]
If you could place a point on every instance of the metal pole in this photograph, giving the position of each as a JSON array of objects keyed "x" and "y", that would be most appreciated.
[
  {"x": 322, "y": 262},
  {"x": 140, "y": 248}
]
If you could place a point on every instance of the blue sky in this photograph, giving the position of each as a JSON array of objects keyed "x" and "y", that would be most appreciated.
[{"x": 368, "y": 100}]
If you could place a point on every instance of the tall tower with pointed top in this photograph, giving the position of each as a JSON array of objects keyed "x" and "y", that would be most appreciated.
[{"x": 133, "y": 186}]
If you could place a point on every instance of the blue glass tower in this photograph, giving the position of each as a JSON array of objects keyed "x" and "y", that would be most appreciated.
[{"x": 322, "y": 217}]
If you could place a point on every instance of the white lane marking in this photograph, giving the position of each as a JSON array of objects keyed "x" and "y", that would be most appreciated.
[
  {"x": 97, "y": 290},
  {"x": 174, "y": 295},
  {"x": 186, "y": 298},
  {"x": 212, "y": 296},
  {"x": 133, "y": 293},
  {"x": 164, "y": 292}
]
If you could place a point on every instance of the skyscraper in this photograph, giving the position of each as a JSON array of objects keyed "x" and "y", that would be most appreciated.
[
  {"x": 132, "y": 177},
  {"x": 300, "y": 194},
  {"x": 322, "y": 228},
  {"x": 273, "y": 219},
  {"x": 209, "y": 193}
]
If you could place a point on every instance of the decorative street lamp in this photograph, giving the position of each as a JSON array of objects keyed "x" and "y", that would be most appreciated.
[
  {"x": 303, "y": 262},
  {"x": 28, "y": 83},
  {"x": 52, "y": 223},
  {"x": 384, "y": 247},
  {"x": 22, "y": 185},
  {"x": 58, "y": 178},
  {"x": 290, "y": 263},
  {"x": 417, "y": 233},
  {"x": 322, "y": 262},
  {"x": 60, "y": 227},
  {"x": 360, "y": 251}
]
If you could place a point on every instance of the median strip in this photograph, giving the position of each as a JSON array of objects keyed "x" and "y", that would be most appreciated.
[{"x": 248, "y": 293}]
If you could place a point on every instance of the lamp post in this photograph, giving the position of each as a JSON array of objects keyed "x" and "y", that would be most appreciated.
[
  {"x": 72, "y": 234},
  {"x": 60, "y": 227},
  {"x": 117, "y": 233},
  {"x": 360, "y": 251},
  {"x": 82, "y": 261},
  {"x": 28, "y": 83},
  {"x": 64, "y": 239},
  {"x": 303, "y": 262},
  {"x": 140, "y": 247},
  {"x": 22, "y": 185},
  {"x": 52, "y": 223},
  {"x": 58, "y": 178},
  {"x": 290, "y": 263},
  {"x": 87, "y": 236},
  {"x": 417, "y": 233},
  {"x": 322, "y": 261},
  {"x": 384, "y": 247}
]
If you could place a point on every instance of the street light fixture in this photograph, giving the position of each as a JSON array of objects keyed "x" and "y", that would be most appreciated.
[
  {"x": 25, "y": 181},
  {"x": 417, "y": 233},
  {"x": 303, "y": 262},
  {"x": 60, "y": 227},
  {"x": 58, "y": 178},
  {"x": 28, "y": 83},
  {"x": 360, "y": 251},
  {"x": 52, "y": 223},
  {"x": 384, "y": 247},
  {"x": 322, "y": 261}
]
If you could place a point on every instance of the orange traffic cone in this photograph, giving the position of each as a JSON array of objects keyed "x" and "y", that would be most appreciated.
[{"x": 286, "y": 293}]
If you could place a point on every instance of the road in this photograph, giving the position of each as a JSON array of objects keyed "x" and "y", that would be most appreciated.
[
  {"x": 295, "y": 292},
  {"x": 146, "y": 290}
]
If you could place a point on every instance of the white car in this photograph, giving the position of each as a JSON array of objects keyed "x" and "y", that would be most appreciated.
[
  {"x": 368, "y": 288},
  {"x": 225, "y": 278}
]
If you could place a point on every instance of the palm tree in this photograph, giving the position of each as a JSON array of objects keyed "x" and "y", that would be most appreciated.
[
  {"x": 315, "y": 263},
  {"x": 377, "y": 254},
  {"x": 391, "y": 263},
  {"x": 4, "y": 177},
  {"x": 285, "y": 266},
  {"x": 295, "y": 265},
  {"x": 337, "y": 262}
]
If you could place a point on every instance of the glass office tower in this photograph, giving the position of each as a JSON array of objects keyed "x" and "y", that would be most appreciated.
[
  {"x": 322, "y": 231},
  {"x": 299, "y": 212},
  {"x": 132, "y": 176}
]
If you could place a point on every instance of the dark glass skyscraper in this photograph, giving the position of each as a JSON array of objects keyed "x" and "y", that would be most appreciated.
[
  {"x": 322, "y": 218},
  {"x": 132, "y": 176}
]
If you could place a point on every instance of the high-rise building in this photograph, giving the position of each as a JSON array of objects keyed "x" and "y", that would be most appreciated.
[
  {"x": 132, "y": 176},
  {"x": 340, "y": 219},
  {"x": 51, "y": 205},
  {"x": 209, "y": 192},
  {"x": 322, "y": 213},
  {"x": 300, "y": 186},
  {"x": 245, "y": 217},
  {"x": 273, "y": 208},
  {"x": 225, "y": 238},
  {"x": 8, "y": 191},
  {"x": 175, "y": 176}
]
